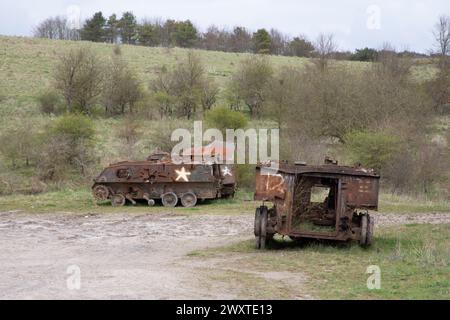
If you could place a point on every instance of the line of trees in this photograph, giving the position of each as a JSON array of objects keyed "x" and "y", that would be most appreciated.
[
  {"x": 157, "y": 32},
  {"x": 168, "y": 33}
]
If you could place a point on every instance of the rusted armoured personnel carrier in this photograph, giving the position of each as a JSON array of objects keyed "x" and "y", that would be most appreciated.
[
  {"x": 158, "y": 178},
  {"x": 322, "y": 202}
]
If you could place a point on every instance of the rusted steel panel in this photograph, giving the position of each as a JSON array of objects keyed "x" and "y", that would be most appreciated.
[
  {"x": 154, "y": 178},
  {"x": 339, "y": 212},
  {"x": 362, "y": 192}
]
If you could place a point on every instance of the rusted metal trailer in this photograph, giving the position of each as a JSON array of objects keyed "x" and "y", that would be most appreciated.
[
  {"x": 158, "y": 178},
  {"x": 327, "y": 201}
]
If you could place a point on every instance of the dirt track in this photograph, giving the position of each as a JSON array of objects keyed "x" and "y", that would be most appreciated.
[{"x": 123, "y": 255}]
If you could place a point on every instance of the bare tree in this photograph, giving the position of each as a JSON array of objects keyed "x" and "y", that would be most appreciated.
[
  {"x": 121, "y": 89},
  {"x": 442, "y": 35},
  {"x": 278, "y": 42},
  {"x": 325, "y": 47},
  {"x": 250, "y": 84},
  {"x": 391, "y": 64},
  {"x": 79, "y": 78},
  {"x": 56, "y": 28},
  {"x": 439, "y": 87}
]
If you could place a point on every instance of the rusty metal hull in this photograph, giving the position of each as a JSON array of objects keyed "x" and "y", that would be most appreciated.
[
  {"x": 153, "y": 179},
  {"x": 350, "y": 193}
]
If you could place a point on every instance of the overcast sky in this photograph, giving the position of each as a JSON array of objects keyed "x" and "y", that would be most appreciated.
[{"x": 407, "y": 24}]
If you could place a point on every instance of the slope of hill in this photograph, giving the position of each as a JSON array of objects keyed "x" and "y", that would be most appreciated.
[{"x": 26, "y": 65}]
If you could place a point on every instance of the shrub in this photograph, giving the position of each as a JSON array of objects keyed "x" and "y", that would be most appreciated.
[
  {"x": 20, "y": 144},
  {"x": 245, "y": 177},
  {"x": 66, "y": 147},
  {"x": 48, "y": 102},
  {"x": 371, "y": 149},
  {"x": 75, "y": 127},
  {"x": 223, "y": 118}
]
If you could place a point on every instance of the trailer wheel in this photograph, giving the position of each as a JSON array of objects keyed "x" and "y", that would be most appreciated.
[
  {"x": 263, "y": 235},
  {"x": 118, "y": 200},
  {"x": 369, "y": 233},
  {"x": 189, "y": 199},
  {"x": 257, "y": 225},
  {"x": 169, "y": 199},
  {"x": 260, "y": 227},
  {"x": 364, "y": 224}
]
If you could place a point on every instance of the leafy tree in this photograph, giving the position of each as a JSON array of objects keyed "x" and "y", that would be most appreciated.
[
  {"x": 112, "y": 29},
  {"x": 301, "y": 47},
  {"x": 262, "y": 41},
  {"x": 146, "y": 35},
  {"x": 185, "y": 34},
  {"x": 365, "y": 54},
  {"x": 128, "y": 28},
  {"x": 94, "y": 28}
]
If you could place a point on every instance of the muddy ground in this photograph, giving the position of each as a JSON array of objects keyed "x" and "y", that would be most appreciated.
[{"x": 130, "y": 256}]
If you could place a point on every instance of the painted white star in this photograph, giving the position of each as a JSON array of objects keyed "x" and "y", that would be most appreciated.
[
  {"x": 226, "y": 172},
  {"x": 182, "y": 174}
]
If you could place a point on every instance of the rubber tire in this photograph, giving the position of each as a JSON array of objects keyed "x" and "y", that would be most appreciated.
[
  {"x": 188, "y": 204},
  {"x": 364, "y": 223},
  {"x": 257, "y": 228},
  {"x": 263, "y": 235},
  {"x": 369, "y": 234},
  {"x": 169, "y": 199},
  {"x": 257, "y": 225},
  {"x": 118, "y": 200}
]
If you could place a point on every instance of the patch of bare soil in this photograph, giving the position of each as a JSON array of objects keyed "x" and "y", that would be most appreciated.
[{"x": 127, "y": 255}]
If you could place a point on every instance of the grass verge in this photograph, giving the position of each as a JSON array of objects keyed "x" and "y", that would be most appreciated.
[{"x": 414, "y": 261}]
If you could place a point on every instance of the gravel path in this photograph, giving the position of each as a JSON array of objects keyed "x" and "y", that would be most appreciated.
[{"x": 122, "y": 255}]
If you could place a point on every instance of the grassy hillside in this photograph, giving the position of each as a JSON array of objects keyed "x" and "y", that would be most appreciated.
[{"x": 26, "y": 65}]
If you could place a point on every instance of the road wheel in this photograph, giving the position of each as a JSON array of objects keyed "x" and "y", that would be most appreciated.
[
  {"x": 370, "y": 227},
  {"x": 189, "y": 199},
  {"x": 118, "y": 200},
  {"x": 151, "y": 202},
  {"x": 169, "y": 199},
  {"x": 364, "y": 222},
  {"x": 100, "y": 192}
]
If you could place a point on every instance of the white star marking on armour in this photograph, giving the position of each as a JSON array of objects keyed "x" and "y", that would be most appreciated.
[
  {"x": 182, "y": 174},
  {"x": 226, "y": 172}
]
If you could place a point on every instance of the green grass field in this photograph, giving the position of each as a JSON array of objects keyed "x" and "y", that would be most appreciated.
[
  {"x": 414, "y": 261},
  {"x": 80, "y": 200}
]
